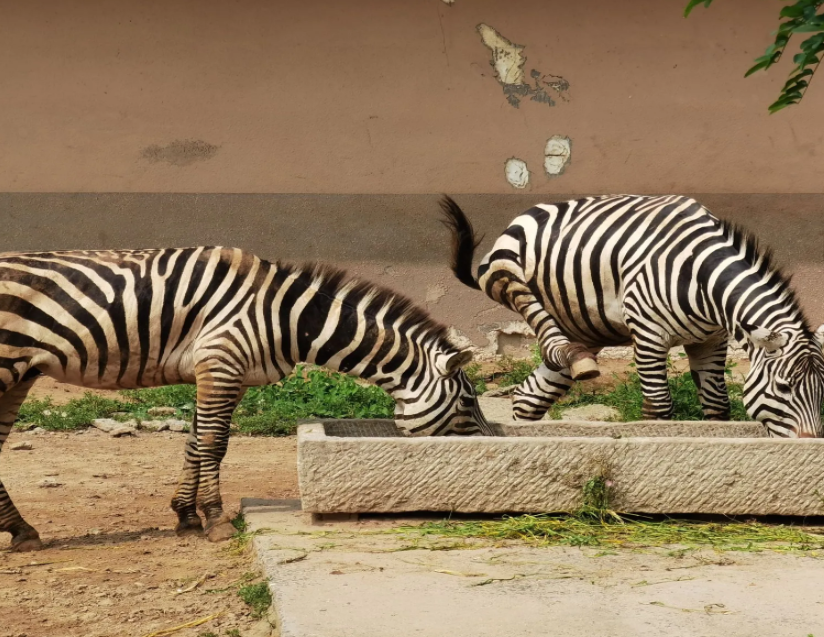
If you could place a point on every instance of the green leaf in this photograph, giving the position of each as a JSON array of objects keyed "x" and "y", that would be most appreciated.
[
  {"x": 761, "y": 65},
  {"x": 793, "y": 11},
  {"x": 694, "y": 3}
]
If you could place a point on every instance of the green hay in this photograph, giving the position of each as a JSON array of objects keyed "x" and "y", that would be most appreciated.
[{"x": 629, "y": 532}]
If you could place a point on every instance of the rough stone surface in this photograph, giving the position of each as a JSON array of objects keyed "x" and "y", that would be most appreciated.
[
  {"x": 496, "y": 409},
  {"x": 49, "y": 483},
  {"x": 747, "y": 476},
  {"x": 177, "y": 425},
  {"x": 105, "y": 424},
  {"x": 591, "y": 413},
  {"x": 21, "y": 446},
  {"x": 499, "y": 391},
  {"x": 155, "y": 425},
  {"x": 123, "y": 430},
  {"x": 162, "y": 411}
]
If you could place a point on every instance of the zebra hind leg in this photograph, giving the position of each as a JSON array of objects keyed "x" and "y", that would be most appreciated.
[
  {"x": 184, "y": 502},
  {"x": 542, "y": 389},
  {"x": 24, "y": 537},
  {"x": 707, "y": 362}
]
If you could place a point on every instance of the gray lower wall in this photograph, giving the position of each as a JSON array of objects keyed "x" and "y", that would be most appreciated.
[{"x": 393, "y": 239}]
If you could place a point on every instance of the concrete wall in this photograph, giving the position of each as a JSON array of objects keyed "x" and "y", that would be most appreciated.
[{"x": 321, "y": 129}]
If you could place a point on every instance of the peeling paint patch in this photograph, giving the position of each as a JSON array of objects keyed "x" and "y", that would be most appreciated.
[
  {"x": 556, "y": 154},
  {"x": 435, "y": 293},
  {"x": 449, "y": 2},
  {"x": 511, "y": 337},
  {"x": 180, "y": 152},
  {"x": 508, "y": 60},
  {"x": 517, "y": 173}
]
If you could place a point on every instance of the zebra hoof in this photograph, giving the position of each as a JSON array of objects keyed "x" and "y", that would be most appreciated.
[
  {"x": 221, "y": 532},
  {"x": 584, "y": 369},
  {"x": 189, "y": 528},
  {"x": 26, "y": 544}
]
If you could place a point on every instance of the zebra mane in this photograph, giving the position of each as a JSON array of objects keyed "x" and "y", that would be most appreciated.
[
  {"x": 757, "y": 252},
  {"x": 330, "y": 281}
]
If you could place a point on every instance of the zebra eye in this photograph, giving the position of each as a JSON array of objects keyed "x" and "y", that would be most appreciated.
[
  {"x": 467, "y": 401},
  {"x": 783, "y": 387}
]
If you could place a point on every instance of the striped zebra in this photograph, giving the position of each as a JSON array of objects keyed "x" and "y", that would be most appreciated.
[
  {"x": 224, "y": 320},
  {"x": 653, "y": 272}
]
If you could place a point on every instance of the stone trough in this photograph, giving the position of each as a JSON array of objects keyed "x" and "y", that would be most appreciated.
[{"x": 367, "y": 466}]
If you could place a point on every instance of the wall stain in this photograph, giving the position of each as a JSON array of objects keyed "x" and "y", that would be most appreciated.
[
  {"x": 508, "y": 60},
  {"x": 180, "y": 152}
]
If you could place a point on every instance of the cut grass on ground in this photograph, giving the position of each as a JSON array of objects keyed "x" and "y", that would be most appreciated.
[{"x": 627, "y": 532}]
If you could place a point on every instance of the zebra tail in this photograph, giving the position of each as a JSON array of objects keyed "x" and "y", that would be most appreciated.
[{"x": 463, "y": 241}]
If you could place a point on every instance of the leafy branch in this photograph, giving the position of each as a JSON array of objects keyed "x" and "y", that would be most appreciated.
[{"x": 801, "y": 17}]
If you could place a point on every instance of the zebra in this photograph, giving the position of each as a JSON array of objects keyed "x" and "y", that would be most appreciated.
[
  {"x": 223, "y": 319},
  {"x": 652, "y": 272}
]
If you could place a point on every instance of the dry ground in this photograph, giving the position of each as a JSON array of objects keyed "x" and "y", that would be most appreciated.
[{"x": 113, "y": 564}]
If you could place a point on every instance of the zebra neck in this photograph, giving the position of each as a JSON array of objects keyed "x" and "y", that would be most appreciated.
[{"x": 767, "y": 304}]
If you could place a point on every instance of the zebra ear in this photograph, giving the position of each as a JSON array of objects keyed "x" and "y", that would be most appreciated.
[
  {"x": 447, "y": 366},
  {"x": 819, "y": 335},
  {"x": 767, "y": 339}
]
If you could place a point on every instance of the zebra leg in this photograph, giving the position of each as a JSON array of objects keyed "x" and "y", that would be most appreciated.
[
  {"x": 219, "y": 389},
  {"x": 184, "y": 502},
  {"x": 707, "y": 362},
  {"x": 559, "y": 353},
  {"x": 651, "y": 364},
  {"x": 539, "y": 392},
  {"x": 24, "y": 537}
]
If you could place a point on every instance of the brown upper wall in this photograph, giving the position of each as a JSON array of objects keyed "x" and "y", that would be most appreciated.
[{"x": 393, "y": 96}]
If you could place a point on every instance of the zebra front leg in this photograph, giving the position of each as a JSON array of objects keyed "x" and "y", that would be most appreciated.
[
  {"x": 539, "y": 392},
  {"x": 651, "y": 364},
  {"x": 707, "y": 362},
  {"x": 24, "y": 537},
  {"x": 219, "y": 389},
  {"x": 184, "y": 502}
]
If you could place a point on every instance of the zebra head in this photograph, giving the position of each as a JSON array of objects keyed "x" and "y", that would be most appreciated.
[
  {"x": 440, "y": 400},
  {"x": 785, "y": 386}
]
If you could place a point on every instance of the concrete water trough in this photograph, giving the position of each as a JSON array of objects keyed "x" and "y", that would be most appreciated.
[{"x": 732, "y": 468}]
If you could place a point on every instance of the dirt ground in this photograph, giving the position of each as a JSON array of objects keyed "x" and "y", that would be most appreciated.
[{"x": 113, "y": 565}]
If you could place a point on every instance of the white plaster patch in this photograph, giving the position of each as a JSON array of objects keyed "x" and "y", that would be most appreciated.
[
  {"x": 557, "y": 153},
  {"x": 435, "y": 293},
  {"x": 517, "y": 173},
  {"x": 507, "y": 57},
  {"x": 448, "y": 1}
]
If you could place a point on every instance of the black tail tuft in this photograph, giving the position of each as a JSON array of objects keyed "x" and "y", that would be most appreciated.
[{"x": 463, "y": 241}]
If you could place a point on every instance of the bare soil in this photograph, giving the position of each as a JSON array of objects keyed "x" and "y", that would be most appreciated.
[{"x": 112, "y": 564}]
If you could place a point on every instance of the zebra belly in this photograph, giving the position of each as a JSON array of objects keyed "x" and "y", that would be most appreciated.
[{"x": 594, "y": 323}]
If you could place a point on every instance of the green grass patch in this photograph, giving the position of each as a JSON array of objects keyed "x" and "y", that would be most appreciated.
[
  {"x": 76, "y": 414},
  {"x": 269, "y": 410},
  {"x": 274, "y": 409},
  {"x": 257, "y": 597},
  {"x": 628, "y": 398}
]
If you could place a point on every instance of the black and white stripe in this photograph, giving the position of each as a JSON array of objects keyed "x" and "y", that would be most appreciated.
[
  {"x": 653, "y": 272},
  {"x": 225, "y": 320}
]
